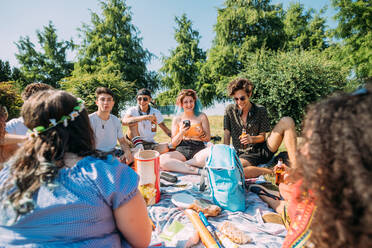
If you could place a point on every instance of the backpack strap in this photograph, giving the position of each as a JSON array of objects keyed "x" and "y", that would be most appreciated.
[{"x": 203, "y": 176}]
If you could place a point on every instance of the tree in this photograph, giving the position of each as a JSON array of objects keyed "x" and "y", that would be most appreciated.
[
  {"x": 48, "y": 66},
  {"x": 5, "y": 71},
  {"x": 304, "y": 29},
  {"x": 355, "y": 28},
  {"x": 243, "y": 26},
  {"x": 112, "y": 42},
  {"x": 181, "y": 69}
]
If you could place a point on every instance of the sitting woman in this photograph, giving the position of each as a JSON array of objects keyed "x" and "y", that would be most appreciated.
[
  {"x": 329, "y": 200},
  {"x": 190, "y": 131},
  {"x": 56, "y": 192}
]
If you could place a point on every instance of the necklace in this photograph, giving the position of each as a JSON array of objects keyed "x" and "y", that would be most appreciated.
[{"x": 103, "y": 123}]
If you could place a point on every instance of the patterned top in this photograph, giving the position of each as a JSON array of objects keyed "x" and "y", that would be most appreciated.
[
  {"x": 257, "y": 122},
  {"x": 78, "y": 212}
]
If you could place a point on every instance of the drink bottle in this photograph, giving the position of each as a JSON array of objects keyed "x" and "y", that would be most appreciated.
[
  {"x": 279, "y": 172},
  {"x": 244, "y": 132},
  {"x": 153, "y": 126}
]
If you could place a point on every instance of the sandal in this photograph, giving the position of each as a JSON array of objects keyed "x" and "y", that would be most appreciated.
[
  {"x": 260, "y": 190},
  {"x": 272, "y": 218}
]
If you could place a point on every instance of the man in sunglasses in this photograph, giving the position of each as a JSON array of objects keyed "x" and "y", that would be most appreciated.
[
  {"x": 247, "y": 123},
  {"x": 140, "y": 120}
]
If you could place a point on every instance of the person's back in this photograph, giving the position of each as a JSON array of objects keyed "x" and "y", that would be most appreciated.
[
  {"x": 77, "y": 211},
  {"x": 56, "y": 192},
  {"x": 334, "y": 170}
]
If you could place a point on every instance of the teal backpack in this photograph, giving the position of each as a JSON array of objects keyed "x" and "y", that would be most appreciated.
[{"x": 226, "y": 178}]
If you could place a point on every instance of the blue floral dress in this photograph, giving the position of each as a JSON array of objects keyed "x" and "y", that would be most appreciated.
[{"x": 78, "y": 212}]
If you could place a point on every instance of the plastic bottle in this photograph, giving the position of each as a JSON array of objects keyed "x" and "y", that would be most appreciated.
[
  {"x": 279, "y": 172},
  {"x": 153, "y": 125}
]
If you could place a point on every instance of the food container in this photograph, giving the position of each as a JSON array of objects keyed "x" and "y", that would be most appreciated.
[{"x": 146, "y": 164}]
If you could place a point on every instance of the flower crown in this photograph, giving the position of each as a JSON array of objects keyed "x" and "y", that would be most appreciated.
[{"x": 64, "y": 119}]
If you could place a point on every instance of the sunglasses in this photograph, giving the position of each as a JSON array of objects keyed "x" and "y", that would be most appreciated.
[
  {"x": 145, "y": 99},
  {"x": 242, "y": 98}
]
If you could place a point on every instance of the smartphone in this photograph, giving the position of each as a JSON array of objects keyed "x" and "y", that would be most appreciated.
[{"x": 186, "y": 123}]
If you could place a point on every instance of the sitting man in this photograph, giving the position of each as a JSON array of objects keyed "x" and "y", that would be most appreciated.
[
  {"x": 247, "y": 123},
  {"x": 107, "y": 127},
  {"x": 142, "y": 120},
  {"x": 16, "y": 126}
]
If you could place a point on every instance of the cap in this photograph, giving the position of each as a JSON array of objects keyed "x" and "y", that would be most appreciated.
[{"x": 144, "y": 91}]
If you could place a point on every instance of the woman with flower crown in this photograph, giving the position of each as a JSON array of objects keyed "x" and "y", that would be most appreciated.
[{"x": 57, "y": 192}]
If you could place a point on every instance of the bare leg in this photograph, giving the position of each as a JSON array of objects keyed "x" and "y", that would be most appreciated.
[
  {"x": 199, "y": 158},
  {"x": 277, "y": 205},
  {"x": 162, "y": 148},
  {"x": 132, "y": 131},
  {"x": 175, "y": 161},
  {"x": 284, "y": 131},
  {"x": 251, "y": 171}
]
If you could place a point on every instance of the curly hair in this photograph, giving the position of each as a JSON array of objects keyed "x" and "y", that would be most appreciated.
[
  {"x": 33, "y": 88},
  {"x": 188, "y": 92},
  {"x": 240, "y": 84},
  {"x": 335, "y": 163},
  {"x": 41, "y": 157}
]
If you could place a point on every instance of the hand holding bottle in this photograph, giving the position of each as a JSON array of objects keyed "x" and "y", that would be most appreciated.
[
  {"x": 153, "y": 124},
  {"x": 245, "y": 138}
]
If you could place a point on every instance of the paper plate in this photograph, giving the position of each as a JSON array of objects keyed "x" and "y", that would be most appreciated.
[{"x": 182, "y": 200}]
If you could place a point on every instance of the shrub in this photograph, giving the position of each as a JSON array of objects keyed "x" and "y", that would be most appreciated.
[
  {"x": 11, "y": 98},
  {"x": 84, "y": 86},
  {"x": 286, "y": 82}
]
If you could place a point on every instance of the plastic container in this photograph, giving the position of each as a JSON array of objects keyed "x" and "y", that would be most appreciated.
[{"x": 146, "y": 164}]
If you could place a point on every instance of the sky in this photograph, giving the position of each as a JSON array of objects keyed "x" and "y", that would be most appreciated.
[{"x": 153, "y": 18}]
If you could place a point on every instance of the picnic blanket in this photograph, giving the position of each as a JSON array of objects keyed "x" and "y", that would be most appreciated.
[{"x": 164, "y": 213}]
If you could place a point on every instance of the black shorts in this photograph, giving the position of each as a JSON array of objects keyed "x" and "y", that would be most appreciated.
[
  {"x": 189, "y": 148},
  {"x": 258, "y": 154}
]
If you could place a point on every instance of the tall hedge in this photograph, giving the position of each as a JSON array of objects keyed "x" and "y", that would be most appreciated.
[{"x": 286, "y": 82}]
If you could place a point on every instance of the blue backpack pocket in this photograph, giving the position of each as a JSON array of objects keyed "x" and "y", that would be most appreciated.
[{"x": 226, "y": 178}]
